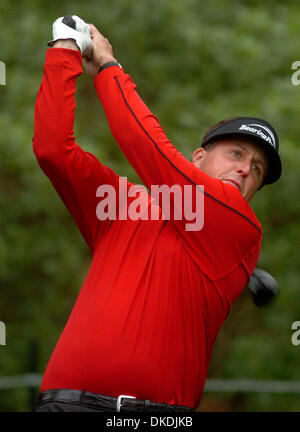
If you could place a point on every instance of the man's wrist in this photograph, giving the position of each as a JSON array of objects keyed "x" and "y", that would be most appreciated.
[
  {"x": 66, "y": 43},
  {"x": 108, "y": 64}
]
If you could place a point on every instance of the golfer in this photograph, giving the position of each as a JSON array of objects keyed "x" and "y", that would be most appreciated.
[{"x": 141, "y": 333}]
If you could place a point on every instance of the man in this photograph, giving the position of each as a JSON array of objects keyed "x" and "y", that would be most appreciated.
[{"x": 141, "y": 332}]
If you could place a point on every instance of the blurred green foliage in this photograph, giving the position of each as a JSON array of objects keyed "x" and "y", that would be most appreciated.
[{"x": 194, "y": 62}]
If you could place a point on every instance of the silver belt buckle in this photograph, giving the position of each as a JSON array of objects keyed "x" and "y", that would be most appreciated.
[{"x": 119, "y": 401}]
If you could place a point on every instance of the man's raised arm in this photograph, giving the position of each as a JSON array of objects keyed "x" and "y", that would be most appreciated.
[
  {"x": 74, "y": 173},
  {"x": 135, "y": 128}
]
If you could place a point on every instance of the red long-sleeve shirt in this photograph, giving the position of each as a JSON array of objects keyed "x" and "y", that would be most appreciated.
[{"x": 156, "y": 295}]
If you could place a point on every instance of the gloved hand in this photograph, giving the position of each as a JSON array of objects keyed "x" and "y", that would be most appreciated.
[{"x": 73, "y": 27}]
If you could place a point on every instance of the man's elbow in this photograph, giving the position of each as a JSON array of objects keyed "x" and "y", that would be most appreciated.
[{"x": 45, "y": 152}]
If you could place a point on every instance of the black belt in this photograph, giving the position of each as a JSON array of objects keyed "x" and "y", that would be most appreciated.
[{"x": 121, "y": 403}]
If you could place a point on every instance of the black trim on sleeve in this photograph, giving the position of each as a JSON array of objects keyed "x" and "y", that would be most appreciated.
[
  {"x": 109, "y": 64},
  {"x": 174, "y": 166}
]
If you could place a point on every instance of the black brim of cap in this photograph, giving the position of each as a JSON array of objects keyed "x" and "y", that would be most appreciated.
[{"x": 274, "y": 162}]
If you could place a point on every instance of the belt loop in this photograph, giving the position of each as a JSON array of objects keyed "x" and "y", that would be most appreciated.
[
  {"x": 82, "y": 394},
  {"x": 147, "y": 404}
]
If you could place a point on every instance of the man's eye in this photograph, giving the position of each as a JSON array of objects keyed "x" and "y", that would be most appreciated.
[
  {"x": 236, "y": 153},
  {"x": 255, "y": 168}
]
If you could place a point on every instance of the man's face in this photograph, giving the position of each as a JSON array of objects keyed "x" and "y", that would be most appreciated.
[{"x": 237, "y": 162}]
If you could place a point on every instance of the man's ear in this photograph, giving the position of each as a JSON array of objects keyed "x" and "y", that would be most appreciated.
[{"x": 198, "y": 156}]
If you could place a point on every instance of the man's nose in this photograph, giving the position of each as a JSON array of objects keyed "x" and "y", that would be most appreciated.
[{"x": 244, "y": 168}]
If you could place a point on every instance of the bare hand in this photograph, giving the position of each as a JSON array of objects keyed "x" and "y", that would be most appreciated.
[{"x": 102, "y": 53}]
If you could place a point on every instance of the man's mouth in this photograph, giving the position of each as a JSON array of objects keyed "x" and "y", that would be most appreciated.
[{"x": 233, "y": 183}]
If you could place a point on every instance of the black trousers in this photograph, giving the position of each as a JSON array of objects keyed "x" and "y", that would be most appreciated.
[{"x": 65, "y": 407}]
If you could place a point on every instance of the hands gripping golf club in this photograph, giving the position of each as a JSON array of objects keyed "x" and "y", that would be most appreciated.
[{"x": 73, "y": 27}]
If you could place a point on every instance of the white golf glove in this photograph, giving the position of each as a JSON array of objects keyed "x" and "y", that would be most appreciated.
[{"x": 73, "y": 27}]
